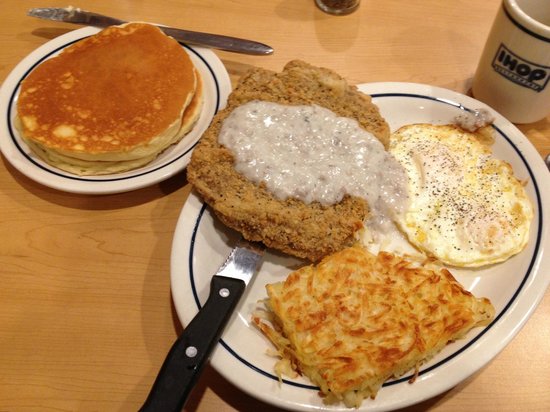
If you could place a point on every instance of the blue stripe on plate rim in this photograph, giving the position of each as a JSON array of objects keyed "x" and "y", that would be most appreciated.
[
  {"x": 448, "y": 358},
  {"x": 100, "y": 180}
]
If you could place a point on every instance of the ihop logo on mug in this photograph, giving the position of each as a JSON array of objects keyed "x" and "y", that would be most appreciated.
[{"x": 520, "y": 71}]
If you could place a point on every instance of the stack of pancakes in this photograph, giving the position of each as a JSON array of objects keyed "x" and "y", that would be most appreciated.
[{"x": 111, "y": 102}]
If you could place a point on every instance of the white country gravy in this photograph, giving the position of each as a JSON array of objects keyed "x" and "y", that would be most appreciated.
[
  {"x": 473, "y": 120},
  {"x": 309, "y": 153}
]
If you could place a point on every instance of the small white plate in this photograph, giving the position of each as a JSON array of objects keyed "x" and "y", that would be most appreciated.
[
  {"x": 217, "y": 87},
  {"x": 515, "y": 287}
]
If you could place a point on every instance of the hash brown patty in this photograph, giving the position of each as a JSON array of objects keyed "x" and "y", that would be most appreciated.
[{"x": 354, "y": 320}]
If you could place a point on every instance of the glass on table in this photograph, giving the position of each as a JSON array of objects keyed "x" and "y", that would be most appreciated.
[{"x": 338, "y": 7}]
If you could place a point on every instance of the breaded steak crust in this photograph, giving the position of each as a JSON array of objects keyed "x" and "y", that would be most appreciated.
[{"x": 308, "y": 231}]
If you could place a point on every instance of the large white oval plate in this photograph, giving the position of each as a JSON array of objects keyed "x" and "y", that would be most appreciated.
[
  {"x": 217, "y": 87},
  {"x": 515, "y": 287}
]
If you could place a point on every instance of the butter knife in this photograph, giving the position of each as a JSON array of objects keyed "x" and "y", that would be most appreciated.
[
  {"x": 190, "y": 352},
  {"x": 216, "y": 41}
]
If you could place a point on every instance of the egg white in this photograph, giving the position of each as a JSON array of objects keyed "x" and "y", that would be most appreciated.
[{"x": 465, "y": 208}]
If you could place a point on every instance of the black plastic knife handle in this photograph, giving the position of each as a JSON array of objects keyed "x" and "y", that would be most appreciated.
[{"x": 189, "y": 354}]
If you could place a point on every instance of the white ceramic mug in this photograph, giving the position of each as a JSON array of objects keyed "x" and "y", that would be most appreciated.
[{"x": 513, "y": 75}]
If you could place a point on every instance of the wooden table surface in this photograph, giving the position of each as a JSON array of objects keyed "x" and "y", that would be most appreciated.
[{"x": 86, "y": 315}]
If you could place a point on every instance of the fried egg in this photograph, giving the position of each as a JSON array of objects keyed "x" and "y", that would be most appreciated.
[{"x": 465, "y": 208}]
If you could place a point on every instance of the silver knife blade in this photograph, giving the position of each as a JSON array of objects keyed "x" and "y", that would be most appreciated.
[
  {"x": 216, "y": 41},
  {"x": 243, "y": 261},
  {"x": 187, "y": 357}
]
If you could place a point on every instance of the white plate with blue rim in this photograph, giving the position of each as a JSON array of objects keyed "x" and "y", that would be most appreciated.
[
  {"x": 217, "y": 87},
  {"x": 201, "y": 244}
]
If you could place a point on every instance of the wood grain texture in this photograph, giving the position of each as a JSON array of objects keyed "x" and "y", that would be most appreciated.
[{"x": 86, "y": 316}]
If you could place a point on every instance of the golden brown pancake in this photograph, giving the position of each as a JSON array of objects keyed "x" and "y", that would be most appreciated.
[
  {"x": 115, "y": 99},
  {"x": 193, "y": 110}
]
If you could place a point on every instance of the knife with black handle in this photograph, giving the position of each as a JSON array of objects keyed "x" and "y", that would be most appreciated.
[
  {"x": 189, "y": 354},
  {"x": 215, "y": 41}
]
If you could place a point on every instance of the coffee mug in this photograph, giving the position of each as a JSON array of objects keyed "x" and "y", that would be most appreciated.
[{"x": 514, "y": 70}]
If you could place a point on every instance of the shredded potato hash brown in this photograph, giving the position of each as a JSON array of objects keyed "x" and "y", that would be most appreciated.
[{"x": 355, "y": 320}]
